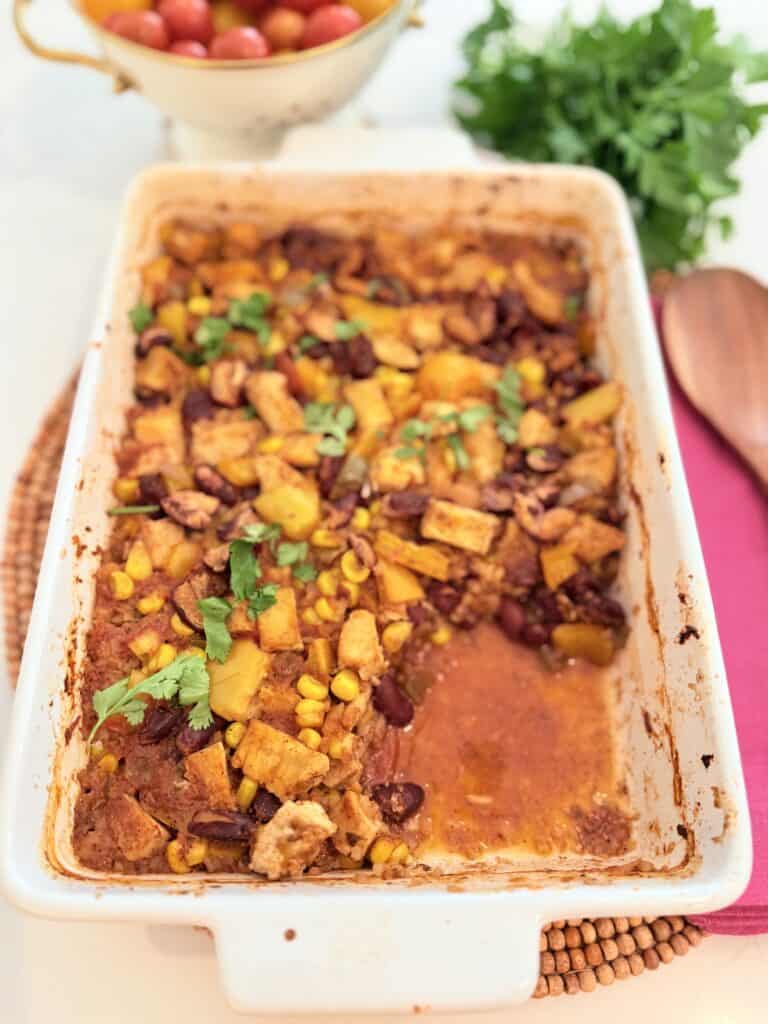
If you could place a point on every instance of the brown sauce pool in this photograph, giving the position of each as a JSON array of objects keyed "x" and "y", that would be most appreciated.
[{"x": 511, "y": 754}]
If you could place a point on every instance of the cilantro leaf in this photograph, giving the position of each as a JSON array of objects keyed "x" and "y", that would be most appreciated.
[
  {"x": 308, "y": 341},
  {"x": 506, "y": 431},
  {"x": 325, "y": 418},
  {"x": 200, "y": 716},
  {"x": 346, "y": 329},
  {"x": 289, "y": 553},
  {"x": 456, "y": 445},
  {"x": 141, "y": 316},
  {"x": 345, "y": 417},
  {"x": 210, "y": 336},
  {"x": 331, "y": 446},
  {"x": 470, "y": 419},
  {"x": 414, "y": 428},
  {"x": 258, "y": 533},
  {"x": 262, "y": 598},
  {"x": 306, "y": 572},
  {"x": 244, "y": 312},
  {"x": 409, "y": 452},
  {"x": 244, "y": 568},
  {"x": 218, "y": 642}
]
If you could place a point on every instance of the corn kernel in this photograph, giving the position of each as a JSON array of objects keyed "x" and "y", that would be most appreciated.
[
  {"x": 183, "y": 558},
  {"x": 310, "y": 714},
  {"x": 449, "y": 459},
  {"x": 246, "y": 793},
  {"x": 532, "y": 370},
  {"x": 197, "y": 851},
  {"x": 310, "y": 617},
  {"x": 496, "y": 277},
  {"x": 326, "y": 611},
  {"x": 311, "y": 688},
  {"x": 203, "y": 376},
  {"x": 174, "y": 854},
  {"x": 335, "y": 750},
  {"x": 395, "y": 635},
  {"x": 138, "y": 564},
  {"x": 399, "y": 855},
  {"x": 353, "y": 569},
  {"x": 121, "y": 585},
  {"x": 126, "y": 489},
  {"x": 325, "y": 539},
  {"x": 173, "y": 317},
  {"x": 276, "y": 343},
  {"x": 310, "y": 738},
  {"x": 382, "y": 850},
  {"x": 196, "y": 652},
  {"x": 233, "y": 734},
  {"x": 162, "y": 657},
  {"x": 328, "y": 583},
  {"x": 375, "y": 508},
  {"x": 270, "y": 445},
  {"x": 531, "y": 390},
  {"x": 278, "y": 269},
  {"x": 361, "y": 519},
  {"x": 200, "y": 305},
  {"x": 441, "y": 635},
  {"x": 345, "y": 685},
  {"x": 150, "y": 604},
  {"x": 108, "y": 763},
  {"x": 351, "y": 591},
  {"x": 240, "y": 472},
  {"x": 179, "y": 626},
  {"x": 145, "y": 643}
]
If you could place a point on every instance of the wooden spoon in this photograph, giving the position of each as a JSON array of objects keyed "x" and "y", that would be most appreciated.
[{"x": 716, "y": 337}]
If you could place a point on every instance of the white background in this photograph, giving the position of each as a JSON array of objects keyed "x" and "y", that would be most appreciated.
[{"x": 68, "y": 149}]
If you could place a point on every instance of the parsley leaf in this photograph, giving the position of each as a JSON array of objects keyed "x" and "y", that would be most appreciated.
[
  {"x": 141, "y": 316},
  {"x": 250, "y": 313},
  {"x": 289, "y": 553},
  {"x": 218, "y": 641},
  {"x": 346, "y": 329},
  {"x": 258, "y": 533},
  {"x": 470, "y": 419},
  {"x": 657, "y": 102},
  {"x": 325, "y": 418},
  {"x": 306, "y": 572},
  {"x": 408, "y": 452},
  {"x": 262, "y": 598},
  {"x": 210, "y": 336},
  {"x": 244, "y": 568},
  {"x": 512, "y": 406},
  {"x": 456, "y": 445}
]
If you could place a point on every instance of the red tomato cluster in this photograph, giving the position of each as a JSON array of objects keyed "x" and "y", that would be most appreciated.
[{"x": 234, "y": 29}]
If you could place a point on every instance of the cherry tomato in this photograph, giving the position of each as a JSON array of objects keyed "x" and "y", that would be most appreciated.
[
  {"x": 252, "y": 6},
  {"x": 370, "y": 9},
  {"x": 329, "y": 22},
  {"x": 304, "y": 6},
  {"x": 187, "y": 19},
  {"x": 243, "y": 43},
  {"x": 228, "y": 15},
  {"x": 283, "y": 28},
  {"x": 101, "y": 9},
  {"x": 188, "y": 48},
  {"x": 144, "y": 27}
]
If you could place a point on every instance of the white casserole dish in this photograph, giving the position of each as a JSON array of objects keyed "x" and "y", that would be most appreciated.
[{"x": 468, "y": 940}]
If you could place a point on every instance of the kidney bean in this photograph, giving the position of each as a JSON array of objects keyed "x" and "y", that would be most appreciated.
[
  {"x": 490, "y": 355},
  {"x": 150, "y": 337},
  {"x": 342, "y": 511},
  {"x": 417, "y": 613},
  {"x": 398, "y": 800},
  {"x": 197, "y": 405},
  {"x": 342, "y": 363},
  {"x": 330, "y": 466},
  {"x": 212, "y": 482},
  {"x": 511, "y": 618},
  {"x": 320, "y": 350},
  {"x": 404, "y": 504},
  {"x": 510, "y": 307},
  {"x": 152, "y": 488},
  {"x": 546, "y": 603},
  {"x": 362, "y": 360},
  {"x": 226, "y": 826},
  {"x": 390, "y": 700},
  {"x": 444, "y": 597},
  {"x": 285, "y": 365},
  {"x": 265, "y": 806},
  {"x": 190, "y": 740},
  {"x": 159, "y": 723},
  {"x": 536, "y": 634}
]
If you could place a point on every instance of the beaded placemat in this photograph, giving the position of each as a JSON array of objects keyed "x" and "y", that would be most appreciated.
[{"x": 576, "y": 955}]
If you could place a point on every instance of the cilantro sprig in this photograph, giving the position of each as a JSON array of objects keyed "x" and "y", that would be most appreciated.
[
  {"x": 218, "y": 641},
  {"x": 511, "y": 405},
  {"x": 418, "y": 433},
  {"x": 334, "y": 422},
  {"x": 657, "y": 102},
  {"x": 141, "y": 316},
  {"x": 210, "y": 336},
  {"x": 346, "y": 329},
  {"x": 295, "y": 555},
  {"x": 251, "y": 314},
  {"x": 185, "y": 679}
]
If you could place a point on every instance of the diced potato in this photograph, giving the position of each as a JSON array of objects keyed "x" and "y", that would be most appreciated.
[
  {"x": 213, "y": 441},
  {"x": 296, "y": 510},
  {"x": 278, "y": 762},
  {"x": 279, "y": 625},
  {"x": 378, "y": 318},
  {"x": 485, "y": 450},
  {"x": 160, "y": 537},
  {"x": 359, "y": 645},
  {"x": 277, "y": 700},
  {"x": 239, "y": 622},
  {"x": 160, "y": 372},
  {"x": 396, "y": 584},
  {"x": 535, "y": 429},
  {"x": 595, "y": 468},
  {"x": 207, "y": 769},
  {"x": 320, "y": 660},
  {"x": 557, "y": 564},
  {"x": 234, "y": 683},
  {"x": 424, "y": 325},
  {"x": 268, "y": 392},
  {"x": 136, "y": 833},
  {"x": 423, "y": 558},
  {"x": 182, "y": 560},
  {"x": 273, "y": 471},
  {"x": 391, "y": 473},
  {"x": 301, "y": 450},
  {"x": 545, "y": 303},
  {"x": 584, "y": 640},
  {"x": 371, "y": 409},
  {"x": 592, "y": 539},
  {"x": 161, "y": 426},
  {"x": 173, "y": 317},
  {"x": 393, "y": 352},
  {"x": 595, "y": 406},
  {"x": 461, "y": 527},
  {"x": 451, "y": 376},
  {"x": 226, "y": 271}
]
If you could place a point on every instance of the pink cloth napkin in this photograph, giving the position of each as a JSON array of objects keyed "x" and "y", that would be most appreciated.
[{"x": 732, "y": 517}]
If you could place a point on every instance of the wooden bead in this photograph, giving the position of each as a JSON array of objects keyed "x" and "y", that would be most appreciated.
[
  {"x": 636, "y": 963},
  {"x": 571, "y": 985},
  {"x": 605, "y": 974},
  {"x": 542, "y": 942},
  {"x": 572, "y": 937},
  {"x": 604, "y": 926},
  {"x": 588, "y": 932},
  {"x": 562, "y": 962},
  {"x": 609, "y": 948},
  {"x": 558, "y": 924},
  {"x": 556, "y": 939},
  {"x": 661, "y": 929},
  {"x": 651, "y": 959},
  {"x": 643, "y": 936},
  {"x": 555, "y": 985},
  {"x": 621, "y": 924},
  {"x": 693, "y": 934},
  {"x": 634, "y": 922},
  {"x": 665, "y": 951},
  {"x": 594, "y": 954},
  {"x": 541, "y": 989},
  {"x": 676, "y": 923},
  {"x": 621, "y": 968},
  {"x": 680, "y": 944},
  {"x": 587, "y": 981},
  {"x": 574, "y": 922},
  {"x": 578, "y": 960},
  {"x": 547, "y": 963},
  {"x": 626, "y": 943}
]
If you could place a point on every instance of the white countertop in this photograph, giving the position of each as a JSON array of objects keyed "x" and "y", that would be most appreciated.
[{"x": 68, "y": 148}]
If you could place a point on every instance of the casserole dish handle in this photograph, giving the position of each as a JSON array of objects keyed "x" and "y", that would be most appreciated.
[{"x": 437, "y": 950}]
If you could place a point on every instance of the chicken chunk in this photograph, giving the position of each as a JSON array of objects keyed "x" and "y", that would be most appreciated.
[
  {"x": 291, "y": 841},
  {"x": 136, "y": 833},
  {"x": 278, "y": 762}
]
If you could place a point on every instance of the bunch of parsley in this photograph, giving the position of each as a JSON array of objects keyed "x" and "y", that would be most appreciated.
[{"x": 658, "y": 103}]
